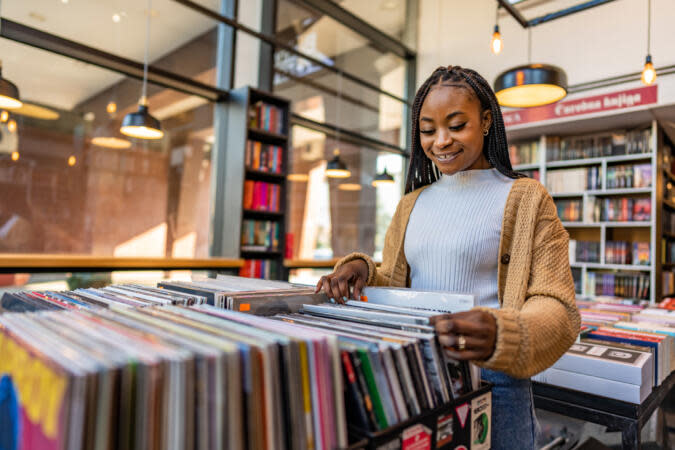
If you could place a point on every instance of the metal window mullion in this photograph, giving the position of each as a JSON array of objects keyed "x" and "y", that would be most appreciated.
[{"x": 277, "y": 44}]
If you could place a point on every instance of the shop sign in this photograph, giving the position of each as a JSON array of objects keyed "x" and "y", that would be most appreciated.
[{"x": 630, "y": 98}]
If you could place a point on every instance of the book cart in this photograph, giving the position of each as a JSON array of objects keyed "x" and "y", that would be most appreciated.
[
  {"x": 617, "y": 416},
  {"x": 257, "y": 147}
]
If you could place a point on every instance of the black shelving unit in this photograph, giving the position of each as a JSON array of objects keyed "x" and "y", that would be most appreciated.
[{"x": 242, "y": 102}]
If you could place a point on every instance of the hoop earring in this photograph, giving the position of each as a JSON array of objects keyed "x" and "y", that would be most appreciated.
[{"x": 486, "y": 132}]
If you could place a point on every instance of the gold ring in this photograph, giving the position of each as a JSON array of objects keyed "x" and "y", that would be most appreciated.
[{"x": 461, "y": 343}]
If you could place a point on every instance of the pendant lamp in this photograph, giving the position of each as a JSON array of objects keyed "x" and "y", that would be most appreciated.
[
  {"x": 141, "y": 124},
  {"x": 383, "y": 178},
  {"x": 496, "y": 43},
  {"x": 531, "y": 84},
  {"x": 9, "y": 93},
  {"x": 336, "y": 168},
  {"x": 648, "y": 72}
]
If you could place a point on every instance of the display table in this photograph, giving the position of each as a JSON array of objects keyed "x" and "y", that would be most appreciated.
[{"x": 628, "y": 418}]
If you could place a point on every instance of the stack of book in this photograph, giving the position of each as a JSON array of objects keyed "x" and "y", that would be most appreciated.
[
  {"x": 629, "y": 176},
  {"x": 619, "y": 209},
  {"x": 524, "y": 153},
  {"x": 623, "y": 352},
  {"x": 261, "y": 196},
  {"x": 260, "y": 235},
  {"x": 264, "y": 157},
  {"x": 629, "y": 286},
  {"x": 584, "y": 251},
  {"x": 573, "y": 180},
  {"x": 267, "y": 117},
  {"x": 602, "y": 145},
  {"x": 569, "y": 210},
  {"x": 621, "y": 252}
]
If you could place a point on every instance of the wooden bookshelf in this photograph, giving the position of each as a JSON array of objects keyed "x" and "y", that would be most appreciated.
[
  {"x": 604, "y": 231},
  {"x": 244, "y": 125}
]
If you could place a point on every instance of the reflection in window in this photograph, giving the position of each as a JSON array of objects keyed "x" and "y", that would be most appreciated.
[
  {"x": 76, "y": 185},
  {"x": 331, "y": 217}
]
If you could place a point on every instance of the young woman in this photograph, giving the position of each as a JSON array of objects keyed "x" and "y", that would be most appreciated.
[{"x": 469, "y": 223}]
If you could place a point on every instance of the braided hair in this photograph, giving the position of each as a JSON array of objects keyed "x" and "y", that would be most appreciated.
[{"x": 422, "y": 171}]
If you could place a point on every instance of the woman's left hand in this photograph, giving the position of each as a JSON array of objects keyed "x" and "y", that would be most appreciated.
[{"x": 478, "y": 328}]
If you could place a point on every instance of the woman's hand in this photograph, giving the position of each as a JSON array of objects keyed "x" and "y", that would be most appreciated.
[
  {"x": 478, "y": 329},
  {"x": 336, "y": 285}
]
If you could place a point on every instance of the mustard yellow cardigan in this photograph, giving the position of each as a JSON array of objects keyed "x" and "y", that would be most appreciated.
[{"x": 538, "y": 319}]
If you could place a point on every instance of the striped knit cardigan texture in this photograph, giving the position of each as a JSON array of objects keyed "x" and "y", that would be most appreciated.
[{"x": 538, "y": 319}]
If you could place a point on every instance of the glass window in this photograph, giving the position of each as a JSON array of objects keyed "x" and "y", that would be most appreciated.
[
  {"x": 71, "y": 183},
  {"x": 327, "y": 40},
  {"x": 327, "y": 97},
  {"x": 182, "y": 40},
  {"x": 331, "y": 217},
  {"x": 389, "y": 16}
]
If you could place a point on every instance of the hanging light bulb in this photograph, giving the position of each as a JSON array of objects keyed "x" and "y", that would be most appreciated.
[
  {"x": 336, "y": 168},
  {"x": 111, "y": 107},
  {"x": 382, "y": 179},
  {"x": 4, "y": 116},
  {"x": 9, "y": 93},
  {"x": 15, "y": 156},
  {"x": 141, "y": 124},
  {"x": 648, "y": 72},
  {"x": 72, "y": 160},
  {"x": 496, "y": 44},
  {"x": 11, "y": 126}
]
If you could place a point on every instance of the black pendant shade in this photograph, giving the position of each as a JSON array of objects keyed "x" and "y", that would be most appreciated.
[
  {"x": 336, "y": 168},
  {"x": 9, "y": 94},
  {"x": 531, "y": 85},
  {"x": 141, "y": 125},
  {"x": 383, "y": 178}
]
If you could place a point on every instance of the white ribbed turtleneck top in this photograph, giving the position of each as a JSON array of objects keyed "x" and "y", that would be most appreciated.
[{"x": 452, "y": 238}]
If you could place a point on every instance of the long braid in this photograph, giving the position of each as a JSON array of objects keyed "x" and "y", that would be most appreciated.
[{"x": 422, "y": 171}]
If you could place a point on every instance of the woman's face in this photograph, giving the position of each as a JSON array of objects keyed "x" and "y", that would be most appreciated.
[{"x": 451, "y": 128}]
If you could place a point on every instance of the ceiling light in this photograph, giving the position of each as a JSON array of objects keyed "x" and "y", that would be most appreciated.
[
  {"x": 36, "y": 112},
  {"x": 648, "y": 72},
  {"x": 116, "y": 18},
  {"x": 110, "y": 142},
  {"x": 4, "y": 116},
  {"x": 11, "y": 126},
  {"x": 336, "y": 168},
  {"x": 496, "y": 44},
  {"x": 15, "y": 156},
  {"x": 349, "y": 187},
  {"x": 9, "y": 93},
  {"x": 531, "y": 85},
  {"x": 72, "y": 160},
  {"x": 297, "y": 177},
  {"x": 383, "y": 178},
  {"x": 111, "y": 107},
  {"x": 141, "y": 124}
]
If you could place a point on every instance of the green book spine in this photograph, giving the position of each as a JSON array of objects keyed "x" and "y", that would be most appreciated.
[{"x": 372, "y": 388}]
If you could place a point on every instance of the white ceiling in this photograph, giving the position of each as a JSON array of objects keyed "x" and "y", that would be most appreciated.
[{"x": 62, "y": 82}]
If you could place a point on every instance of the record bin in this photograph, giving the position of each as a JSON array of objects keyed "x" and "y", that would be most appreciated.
[{"x": 462, "y": 423}]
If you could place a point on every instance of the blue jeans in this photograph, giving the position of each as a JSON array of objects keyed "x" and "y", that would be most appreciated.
[{"x": 514, "y": 425}]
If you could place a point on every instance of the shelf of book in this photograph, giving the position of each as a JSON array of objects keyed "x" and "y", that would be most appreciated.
[
  {"x": 617, "y": 179},
  {"x": 256, "y": 152}
]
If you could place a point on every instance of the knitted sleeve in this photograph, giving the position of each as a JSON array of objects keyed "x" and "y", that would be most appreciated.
[{"x": 531, "y": 339}]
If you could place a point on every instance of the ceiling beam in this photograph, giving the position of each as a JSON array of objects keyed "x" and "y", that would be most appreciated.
[{"x": 550, "y": 16}]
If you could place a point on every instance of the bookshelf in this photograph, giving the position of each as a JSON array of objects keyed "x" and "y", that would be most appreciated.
[
  {"x": 537, "y": 150},
  {"x": 256, "y": 163}
]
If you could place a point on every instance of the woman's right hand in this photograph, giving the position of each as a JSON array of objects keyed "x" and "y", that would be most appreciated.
[{"x": 336, "y": 285}]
